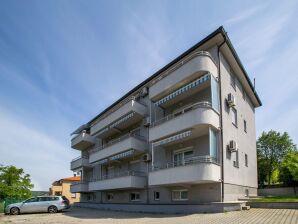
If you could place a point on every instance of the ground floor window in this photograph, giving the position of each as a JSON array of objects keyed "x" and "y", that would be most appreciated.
[
  {"x": 156, "y": 195},
  {"x": 58, "y": 193},
  {"x": 110, "y": 196},
  {"x": 135, "y": 196},
  {"x": 180, "y": 195}
]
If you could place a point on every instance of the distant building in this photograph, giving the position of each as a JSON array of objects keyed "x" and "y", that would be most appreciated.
[{"x": 62, "y": 187}]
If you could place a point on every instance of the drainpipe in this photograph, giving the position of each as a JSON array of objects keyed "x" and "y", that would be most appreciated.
[{"x": 221, "y": 127}]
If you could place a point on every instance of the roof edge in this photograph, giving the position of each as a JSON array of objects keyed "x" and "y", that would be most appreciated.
[
  {"x": 219, "y": 30},
  {"x": 234, "y": 53}
]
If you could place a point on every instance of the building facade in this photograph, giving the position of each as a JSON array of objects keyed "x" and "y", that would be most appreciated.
[
  {"x": 186, "y": 135},
  {"x": 62, "y": 188}
]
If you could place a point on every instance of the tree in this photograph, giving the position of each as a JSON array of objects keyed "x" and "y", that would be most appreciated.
[
  {"x": 272, "y": 147},
  {"x": 289, "y": 168},
  {"x": 14, "y": 183}
]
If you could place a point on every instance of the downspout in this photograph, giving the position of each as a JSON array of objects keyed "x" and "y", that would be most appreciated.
[{"x": 221, "y": 126}]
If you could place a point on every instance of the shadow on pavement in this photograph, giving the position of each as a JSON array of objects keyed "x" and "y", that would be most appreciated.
[{"x": 93, "y": 213}]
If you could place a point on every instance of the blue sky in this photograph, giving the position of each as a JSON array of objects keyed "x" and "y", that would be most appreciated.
[{"x": 62, "y": 62}]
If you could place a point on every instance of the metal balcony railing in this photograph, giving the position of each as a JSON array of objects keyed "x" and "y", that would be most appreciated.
[
  {"x": 79, "y": 157},
  {"x": 79, "y": 182},
  {"x": 119, "y": 174},
  {"x": 203, "y": 104},
  {"x": 114, "y": 141},
  {"x": 186, "y": 162}
]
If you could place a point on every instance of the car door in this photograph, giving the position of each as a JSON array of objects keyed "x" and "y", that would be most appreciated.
[
  {"x": 44, "y": 203},
  {"x": 29, "y": 205}
]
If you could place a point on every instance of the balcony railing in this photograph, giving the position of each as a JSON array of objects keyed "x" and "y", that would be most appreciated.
[
  {"x": 114, "y": 141},
  {"x": 79, "y": 182},
  {"x": 186, "y": 162},
  {"x": 203, "y": 104},
  {"x": 80, "y": 157},
  {"x": 120, "y": 174}
]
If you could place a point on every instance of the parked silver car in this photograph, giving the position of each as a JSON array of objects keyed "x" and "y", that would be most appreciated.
[{"x": 51, "y": 204}]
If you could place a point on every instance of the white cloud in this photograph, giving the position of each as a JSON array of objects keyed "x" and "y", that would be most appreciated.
[
  {"x": 41, "y": 156},
  {"x": 243, "y": 15}
]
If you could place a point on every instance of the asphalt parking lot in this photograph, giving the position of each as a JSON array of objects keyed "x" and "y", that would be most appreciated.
[{"x": 84, "y": 215}]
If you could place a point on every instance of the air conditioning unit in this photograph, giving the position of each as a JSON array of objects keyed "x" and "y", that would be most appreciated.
[
  {"x": 146, "y": 157},
  {"x": 147, "y": 122},
  {"x": 231, "y": 100},
  {"x": 233, "y": 146},
  {"x": 144, "y": 92}
]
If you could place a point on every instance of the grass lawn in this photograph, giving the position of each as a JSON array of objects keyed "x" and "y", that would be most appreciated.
[{"x": 276, "y": 199}]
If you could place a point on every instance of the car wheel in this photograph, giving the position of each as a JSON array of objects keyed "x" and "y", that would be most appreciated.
[
  {"x": 14, "y": 211},
  {"x": 52, "y": 209}
]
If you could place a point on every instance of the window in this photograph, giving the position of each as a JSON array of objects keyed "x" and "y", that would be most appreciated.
[
  {"x": 31, "y": 200},
  {"x": 73, "y": 195},
  {"x": 234, "y": 116},
  {"x": 236, "y": 162},
  {"x": 246, "y": 192},
  {"x": 182, "y": 156},
  {"x": 135, "y": 196},
  {"x": 233, "y": 81},
  {"x": 243, "y": 94},
  {"x": 156, "y": 195},
  {"x": 180, "y": 195},
  {"x": 44, "y": 199},
  {"x": 246, "y": 160},
  {"x": 54, "y": 198},
  {"x": 110, "y": 196},
  {"x": 244, "y": 124}
]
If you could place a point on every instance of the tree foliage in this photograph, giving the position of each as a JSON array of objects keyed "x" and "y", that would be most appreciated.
[
  {"x": 289, "y": 168},
  {"x": 14, "y": 183},
  {"x": 272, "y": 148}
]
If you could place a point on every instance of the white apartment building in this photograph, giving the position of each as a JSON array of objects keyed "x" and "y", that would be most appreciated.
[{"x": 186, "y": 135}]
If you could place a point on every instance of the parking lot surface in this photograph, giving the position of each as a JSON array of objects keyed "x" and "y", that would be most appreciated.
[{"x": 84, "y": 215}]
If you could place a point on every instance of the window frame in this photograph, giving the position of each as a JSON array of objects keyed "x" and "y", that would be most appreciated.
[
  {"x": 135, "y": 199},
  {"x": 156, "y": 198},
  {"x": 180, "y": 195},
  {"x": 234, "y": 112},
  {"x": 245, "y": 125},
  {"x": 181, "y": 151},
  {"x": 244, "y": 96},
  {"x": 110, "y": 196},
  {"x": 236, "y": 161},
  {"x": 233, "y": 80}
]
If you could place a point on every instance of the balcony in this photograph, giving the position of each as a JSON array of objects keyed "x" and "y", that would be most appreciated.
[
  {"x": 125, "y": 180},
  {"x": 128, "y": 114},
  {"x": 79, "y": 187},
  {"x": 79, "y": 162},
  {"x": 198, "y": 115},
  {"x": 82, "y": 141},
  {"x": 118, "y": 146},
  {"x": 195, "y": 66},
  {"x": 195, "y": 170}
]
